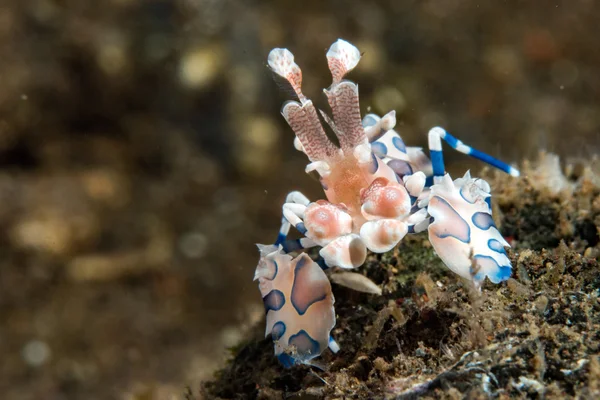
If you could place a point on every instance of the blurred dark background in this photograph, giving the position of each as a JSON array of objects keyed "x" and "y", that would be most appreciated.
[{"x": 142, "y": 154}]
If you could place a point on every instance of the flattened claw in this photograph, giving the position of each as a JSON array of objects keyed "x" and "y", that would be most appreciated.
[
  {"x": 383, "y": 235},
  {"x": 347, "y": 251},
  {"x": 299, "y": 306},
  {"x": 464, "y": 234}
]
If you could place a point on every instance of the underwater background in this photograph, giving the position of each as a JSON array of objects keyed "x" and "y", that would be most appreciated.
[{"x": 142, "y": 154}]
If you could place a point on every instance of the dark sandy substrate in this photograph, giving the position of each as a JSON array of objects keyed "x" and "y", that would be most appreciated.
[{"x": 430, "y": 335}]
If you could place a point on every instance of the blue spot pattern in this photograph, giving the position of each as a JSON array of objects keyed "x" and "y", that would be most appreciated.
[
  {"x": 300, "y": 292},
  {"x": 379, "y": 149},
  {"x": 498, "y": 274},
  {"x": 374, "y": 163},
  {"x": 463, "y": 195},
  {"x": 483, "y": 221},
  {"x": 400, "y": 167},
  {"x": 369, "y": 120},
  {"x": 274, "y": 300},
  {"x": 305, "y": 345},
  {"x": 399, "y": 144},
  {"x": 455, "y": 216},
  {"x": 496, "y": 246},
  {"x": 276, "y": 270},
  {"x": 286, "y": 360},
  {"x": 278, "y": 330}
]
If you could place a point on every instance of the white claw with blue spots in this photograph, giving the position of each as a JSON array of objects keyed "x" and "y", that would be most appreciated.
[
  {"x": 463, "y": 233},
  {"x": 298, "y": 304}
]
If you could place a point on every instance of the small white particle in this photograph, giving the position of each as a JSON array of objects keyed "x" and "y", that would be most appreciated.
[
  {"x": 193, "y": 244},
  {"x": 36, "y": 353},
  {"x": 230, "y": 336}
]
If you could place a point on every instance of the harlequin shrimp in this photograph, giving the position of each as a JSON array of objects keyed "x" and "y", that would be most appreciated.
[{"x": 378, "y": 190}]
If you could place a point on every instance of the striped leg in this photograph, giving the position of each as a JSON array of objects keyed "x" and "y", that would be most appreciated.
[
  {"x": 421, "y": 226},
  {"x": 437, "y": 159},
  {"x": 295, "y": 204},
  {"x": 291, "y": 245}
]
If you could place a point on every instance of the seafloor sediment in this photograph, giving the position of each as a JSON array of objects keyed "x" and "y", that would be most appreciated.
[{"x": 430, "y": 335}]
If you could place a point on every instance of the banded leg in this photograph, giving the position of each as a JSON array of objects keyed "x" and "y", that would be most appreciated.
[
  {"x": 437, "y": 159},
  {"x": 421, "y": 226},
  {"x": 291, "y": 245},
  {"x": 294, "y": 202}
]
